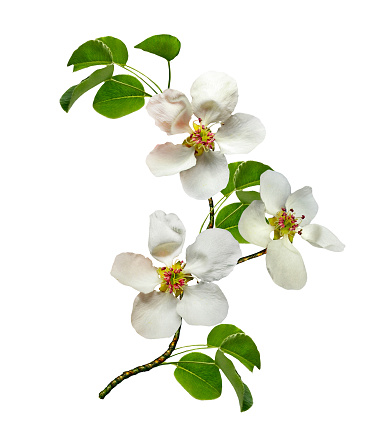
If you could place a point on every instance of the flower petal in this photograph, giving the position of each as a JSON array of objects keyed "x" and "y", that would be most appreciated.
[
  {"x": 320, "y": 236},
  {"x": 274, "y": 190},
  {"x": 213, "y": 255},
  {"x": 214, "y": 97},
  {"x": 171, "y": 111},
  {"x": 203, "y": 304},
  {"x": 136, "y": 271},
  {"x": 154, "y": 315},
  {"x": 303, "y": 203},
  {"x": 240, "y": 134},
  {"x": 207, "y": 177},
  {"x": 168, "y": 159},
  {"x": 285, "y": 264},
  {"x": 166, "y": 236},
  {"x": 253, "y": 226}
]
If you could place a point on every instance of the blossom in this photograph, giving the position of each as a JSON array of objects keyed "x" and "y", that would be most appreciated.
[
  {"x": 203, "y": 171},
  {"x": 158, "y": 313},
  {"x": 292, "y": 215}
]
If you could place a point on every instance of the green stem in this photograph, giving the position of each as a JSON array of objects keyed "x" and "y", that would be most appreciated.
[
  {"x": 151, "y": 80},
  {"x": 189, "y": 350},
  {"x": 188, "y": 346},
  {"x": 139, "y": 77},
  {"x": 157, "y": 362},
  {"x": 218, "y": 205},
  {"x": 170, "y": 74},
  {"x": 179, "y": 363},
  {"x": 250, "y": 257}
]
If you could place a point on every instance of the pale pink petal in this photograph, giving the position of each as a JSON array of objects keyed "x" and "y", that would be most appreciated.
[
  {"x": 169, "y": 159},
  {"x": 274, "y": 191},
  {"x": 166, "y": 236},
  {"x": 320, "y": 236},
  {"x": 154, "y": 315},
  {"x": 171, "y": 111},
  {"x": 207, "y": 177},
  {"x": 203, "y": 304},
  {"x": 253, "y": 226},
  {"x": 303, "y": 203},
  {"x": 136, "y": 271},
  {"x": 285, "y": 264},
  {"x": 213, "y": 255},
  {"x": 214, "y": 97},
  {"x": 240, "y": 134}
]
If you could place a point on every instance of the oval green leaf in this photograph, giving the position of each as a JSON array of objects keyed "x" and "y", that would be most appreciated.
[
  {"x": 228, "y": 218},
  {"x": 219, "y": 333},
  {"x": 93, "y": 52},
  {"x": 118, "y": 49},
  {"x": 247, "y": 197},
  {"x": 242, "y": 391},
  {"x": 230, "y": 188},
  {"x": 200, "y": 376},
  {"x": 73, "y": 93},
  {"x": 243, "y": 348},
  {"x": 119, "y": 96},
  {"x": 162, "y": 45},
  {"x": 248, "y": 174}
]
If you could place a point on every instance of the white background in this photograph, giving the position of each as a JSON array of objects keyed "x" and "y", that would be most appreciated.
[{"x": 75, "y": 191}]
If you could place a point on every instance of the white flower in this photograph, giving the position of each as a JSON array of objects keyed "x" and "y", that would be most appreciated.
[
  {"x": 157, "y": 313},
  {"x": 203, "y": 171},
  {"x": 292, "y": 214}
]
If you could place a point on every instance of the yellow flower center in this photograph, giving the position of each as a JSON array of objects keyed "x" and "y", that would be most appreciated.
[
  {"x": 173, "y": 278},
  {"x": 285, "y": 223},
  {"x": 202, "y": 139}
]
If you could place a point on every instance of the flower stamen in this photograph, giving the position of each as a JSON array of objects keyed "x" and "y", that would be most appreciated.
[
  {"x": 173, "y": 278},
  {"x": 201, "y": 139}
]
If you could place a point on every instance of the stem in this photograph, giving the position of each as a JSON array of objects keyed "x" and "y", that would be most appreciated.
[
  {"x": 179, "y": 363},
  {"x": 250, "y": 257},
  {"x": 144, "y": 76},
  {"x": 158, "y": 361},
  {"x": 189, "y": 350},
  {"x": 139, "y": 77},
  {"x": 188, "y": 346},
  {"x": 170, "y": 74},
  {"x": 218, "y": 205},
  {"x": 211, "y": 213}
]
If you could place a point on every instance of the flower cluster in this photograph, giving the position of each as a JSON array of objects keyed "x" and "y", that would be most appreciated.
[
  {"x": 158, "y": 313},
  {"x": 203, "y": 171}
]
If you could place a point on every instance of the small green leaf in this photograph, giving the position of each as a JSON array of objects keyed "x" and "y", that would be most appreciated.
[
  {"x": 248, "y": 174},
  {"x": 93, "y": 52},
  {"x": 202, "y": 379},
  {"x": 231, "y": 185},
  {"x": 242, "y": 391},
  {"x": 162, "y": 45},
  {"x": 247, "y": 197},
  {"x": 73, "y": 93},
  {"x": 243, "y": 348},
  {"x": 119, "y": 96},
  {"x": 228, "y": 218},
  {"x": 219, "y": 333},
  {"x": 118, "y": 49}
]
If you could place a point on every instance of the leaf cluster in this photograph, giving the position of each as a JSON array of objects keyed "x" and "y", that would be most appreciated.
[
  {"x": 121, "y": 94},
  {"x": 200, "y": 375}
]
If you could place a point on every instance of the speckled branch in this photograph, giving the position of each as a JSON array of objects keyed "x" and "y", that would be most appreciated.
[{"x": 143, "y": 368}]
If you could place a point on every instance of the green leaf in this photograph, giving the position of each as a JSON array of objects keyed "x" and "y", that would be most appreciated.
[
  {"x": 119, "y": 96},
  {"x": 231, "y": 185},
  {"x": 249, "y": 173},
  {"x": 228, "y": 218},
  {"x": 243, "y": 348},
  {"x": 202, "y": 379},
  {"x": 219, "y": 333},
  {"x": 93, "y": 52},
  {"x": 242, "y": 391},
  {"x": 73, "y": 93},
  {"x": 118, "y": 49},
  {"x": 247, "y": 197},
  {"x": 162, "y": 45}
]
